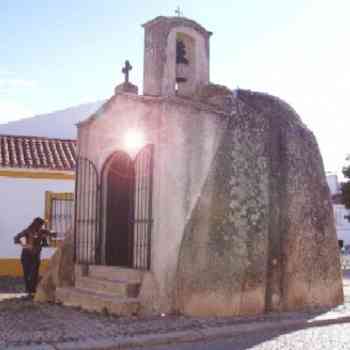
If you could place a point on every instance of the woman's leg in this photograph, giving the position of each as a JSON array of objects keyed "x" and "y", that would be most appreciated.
[
  {"x": 26, "y": 260},
  {"x": 35, "y": 273}
]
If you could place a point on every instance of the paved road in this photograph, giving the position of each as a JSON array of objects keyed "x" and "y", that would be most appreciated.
[
  {"x": 333, "y": 337},
  {"x": 24, "y": 322}
]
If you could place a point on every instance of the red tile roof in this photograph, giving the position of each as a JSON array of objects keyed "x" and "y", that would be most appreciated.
[{"x": 37, "y": 152}]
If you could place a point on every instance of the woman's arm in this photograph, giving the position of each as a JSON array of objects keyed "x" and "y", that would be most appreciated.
[
  {"x": 47, "y": 233},
  {"x": 17, "y": 238},
  {"x": 46, "y": 237}
]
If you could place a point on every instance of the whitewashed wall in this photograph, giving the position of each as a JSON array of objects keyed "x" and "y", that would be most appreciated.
[
  {"x": 333, "y": 183},
  {"x": 166, "y": 125},
  {"x": 341, "y": 223},
  {"x": 21, "y": 200}
]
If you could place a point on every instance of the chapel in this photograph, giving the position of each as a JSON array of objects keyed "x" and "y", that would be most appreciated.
[{"x": 194, "y": 198}]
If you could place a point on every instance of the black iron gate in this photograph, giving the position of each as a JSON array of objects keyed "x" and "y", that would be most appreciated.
[
  {"x": 141, "y": 216},
  {"x": 86, "y": 229},
  {"x": 138, "y": 217}
]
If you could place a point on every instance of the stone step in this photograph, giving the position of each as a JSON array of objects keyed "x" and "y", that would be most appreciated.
[
  {"x": 115, "y": 273},
  {"x": 117, "y": 288},
  {"x": 97, "y": 301}
]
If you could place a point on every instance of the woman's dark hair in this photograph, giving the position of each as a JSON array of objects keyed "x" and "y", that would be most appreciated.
[{"x": 37, "y": 223}]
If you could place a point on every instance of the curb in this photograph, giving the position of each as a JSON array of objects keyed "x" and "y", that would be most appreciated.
[{"x": 211, "y": 333}]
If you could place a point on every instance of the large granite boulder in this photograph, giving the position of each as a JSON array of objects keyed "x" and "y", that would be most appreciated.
[
  {"x": 261, "y": 236},
  {"x": 213, "y": 94},
  {"x": 60, "y": 271}
]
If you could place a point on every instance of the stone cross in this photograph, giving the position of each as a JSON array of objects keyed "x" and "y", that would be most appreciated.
[
  {"x": 178, "y": 11},
  {"x": 126, "y": 69}
]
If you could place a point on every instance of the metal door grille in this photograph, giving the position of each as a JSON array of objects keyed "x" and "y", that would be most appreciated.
[
  {"x": 141, "y": 216},
  {"x": 87, "y": 237},
  {"x": 86, "y": 234}
]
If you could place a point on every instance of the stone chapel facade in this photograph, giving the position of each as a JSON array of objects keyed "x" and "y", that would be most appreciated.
[{"x": 222, "y": 209}]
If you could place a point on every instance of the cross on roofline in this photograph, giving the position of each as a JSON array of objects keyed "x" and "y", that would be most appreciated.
[
  {"x": 178, "y": 11},
  {"x": 126, "y": 69}
]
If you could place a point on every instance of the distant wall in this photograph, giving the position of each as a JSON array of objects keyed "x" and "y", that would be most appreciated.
[
  {"x": 22, "y": 199},
  {"x": 333, "y": 184},
  {"x": 341, "y": 223}
]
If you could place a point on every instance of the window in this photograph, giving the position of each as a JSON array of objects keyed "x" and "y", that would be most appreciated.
[{"x": 59, "y": 212}]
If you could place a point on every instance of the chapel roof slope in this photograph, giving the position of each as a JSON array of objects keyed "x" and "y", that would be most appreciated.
[{"x": 31, "y": 152}]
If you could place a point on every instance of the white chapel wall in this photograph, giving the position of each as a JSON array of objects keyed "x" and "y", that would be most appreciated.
[
  {"x": 100, "y": 138},
  {"x": 176, "y": 131},
  {"x": 180, "y": 175}
]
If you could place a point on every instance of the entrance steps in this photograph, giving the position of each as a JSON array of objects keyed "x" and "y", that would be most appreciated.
[
  {"x": 100, "y": 288},
  {"x": 118, "y": 288},
  {"x": 115, "y": 273}
]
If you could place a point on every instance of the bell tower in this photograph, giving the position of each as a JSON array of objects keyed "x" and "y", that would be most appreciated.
[{"x": 176, "y": 56}]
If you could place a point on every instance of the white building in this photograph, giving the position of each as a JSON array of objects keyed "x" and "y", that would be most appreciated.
[
  {"x": 36, "y": 179},
  {"x": 340, "y": 212}
]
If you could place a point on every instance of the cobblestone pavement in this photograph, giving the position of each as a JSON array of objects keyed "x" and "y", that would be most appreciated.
[
  {"x": 11, "y": 284},
  {"x": 331, "y": 337},
  {"x": 23, "y": 322}
]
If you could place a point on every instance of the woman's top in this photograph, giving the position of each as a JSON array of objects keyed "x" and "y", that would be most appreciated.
[{"x": 35, "y": 239}]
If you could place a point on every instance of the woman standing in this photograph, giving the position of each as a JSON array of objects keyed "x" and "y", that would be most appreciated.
[{"x": 34, "y": 239}]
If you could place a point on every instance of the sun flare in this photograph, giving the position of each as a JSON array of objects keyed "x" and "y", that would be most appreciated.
[{"x": 134, "y": 140}]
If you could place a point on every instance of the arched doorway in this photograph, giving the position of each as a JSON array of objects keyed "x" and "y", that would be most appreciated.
[
  {"x": 119, "y": 205},
  {"x": 128, "y": 187}
]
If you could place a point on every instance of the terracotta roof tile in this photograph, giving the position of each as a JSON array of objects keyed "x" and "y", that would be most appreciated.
[{"x": 37, "y": 152}]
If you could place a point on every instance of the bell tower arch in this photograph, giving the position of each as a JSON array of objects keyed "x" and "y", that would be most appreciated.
[{"x": 176, "y": 57}]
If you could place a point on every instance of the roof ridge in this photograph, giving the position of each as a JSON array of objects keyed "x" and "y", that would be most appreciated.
[
  {"x": 37, "y": 137},
  {"x": 35, "y": 152}
]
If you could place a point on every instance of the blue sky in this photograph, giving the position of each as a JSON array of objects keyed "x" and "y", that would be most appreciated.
[{"x": 56, "y": 54}]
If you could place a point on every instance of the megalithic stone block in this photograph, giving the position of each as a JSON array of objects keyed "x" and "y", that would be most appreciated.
[{"x": 261, "y": 236}]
